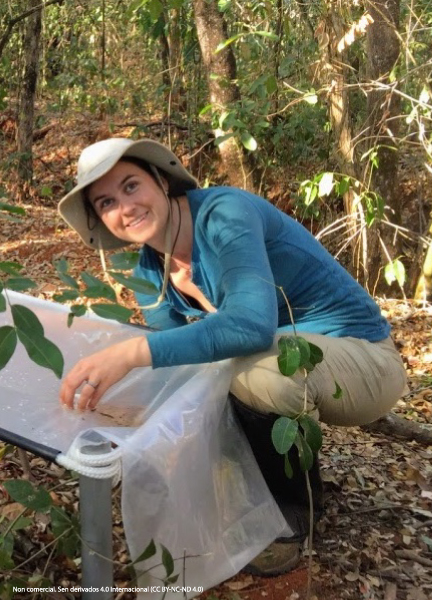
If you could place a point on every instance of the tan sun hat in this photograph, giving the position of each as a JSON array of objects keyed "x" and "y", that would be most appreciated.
[{"x": 99, "y": 158}]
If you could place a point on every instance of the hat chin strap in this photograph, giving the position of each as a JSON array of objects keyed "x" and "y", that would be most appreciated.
[{"x": 168, "y": 242}]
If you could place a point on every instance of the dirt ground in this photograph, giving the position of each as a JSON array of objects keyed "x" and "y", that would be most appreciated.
[{"x": 374, "y": 541}]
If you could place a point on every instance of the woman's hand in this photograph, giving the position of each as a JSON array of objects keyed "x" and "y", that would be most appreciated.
[{"x": 101, "y": 370}]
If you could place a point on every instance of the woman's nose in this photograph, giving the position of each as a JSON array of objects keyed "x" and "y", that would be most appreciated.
[{"x": 127, "y": 207}]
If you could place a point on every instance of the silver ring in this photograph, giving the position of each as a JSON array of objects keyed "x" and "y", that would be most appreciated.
[{"x": 93, "y": 385}]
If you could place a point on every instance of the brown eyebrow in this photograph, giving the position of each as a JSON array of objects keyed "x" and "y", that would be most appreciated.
[{"x": 103, "y": 196}]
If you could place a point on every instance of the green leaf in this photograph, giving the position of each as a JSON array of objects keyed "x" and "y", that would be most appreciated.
[
  {"x": 267, "y": 34},
  {"x": 66, "y": 296},
  {"x": 316, "y": 354},
  {"x": 223, "y": 138},
  {"x": 91, "y": 281},
  {"x": 312, "y": 432},
  {"x": 288, "y": 468},
  {"x": 106, "y": 292},
  {"x": 6, "y": 562},
  {"x": 65, "y": 527},
  {"x": 25, "y": 320},
  {"x": 61, "y": 266},
  {"x": 17, "y": 210},
  {"x": 21, "y": 523},
  {"x": 69, "y": 545},
  {"x": 7, "y": 543},
  {"x": 395, "y": 271},
  {"x": 8, "y": 342},
  {"x": 172, "y": 579},
  {"x": 311, "y": 193},
  {"x": 271, "y": 84},
  {"x": 42, "y": 352},
  {"x": 31, "y": 334},
  {"x": 248, "y": 141},
  {"x": 124, "y": 261},
  {"x": 305, "y": 452},
  {"x": 10, "y": 267},
  {"x": 68, "y": 280},
  {"x": 29, "y": 496},
  {"x": 60, "y": 521},
  {"x": 283, "y": 434},
  {"x": 155, "y": 8},
  {"x": 112, "y": 311},
  {"x": 338, "y": 393},
  {"x": 20, "y": 284},
  {"x": 227, "y": 42},
  {"x": 305, "y": 352},
  {"x": 77, "y": 310},
  {"x": 46, "y": 191},
  {"x": 135, "y": 284},
  {"x": 205, "y": 109},
  {"x": 344, "y": 186},
  {"x": 147, "y": 553},
  {"x": 2, "y": 300},
  {"x": 97, "y": 288},
  {"x": 167, "y": 561},
  {"x": 289, "y": 357}
]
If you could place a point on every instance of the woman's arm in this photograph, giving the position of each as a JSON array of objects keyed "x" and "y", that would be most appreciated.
[
  {"x": 102, "y": 370},
  {"x": 231, "y": 236}
]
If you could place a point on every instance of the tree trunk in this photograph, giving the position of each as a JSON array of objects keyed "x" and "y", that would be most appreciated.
[
  {"x": 164, "y": 53},
  {"x": 178, "y": 93},
  {"x": 221, "y": 72},
  {"x": 383, "y": 107},
  {"x": 27, "y": 95},
  {"x": 277, "y": 49},
  {"x": 334, "y": 74},
  {"x": 424, "y": 286}
]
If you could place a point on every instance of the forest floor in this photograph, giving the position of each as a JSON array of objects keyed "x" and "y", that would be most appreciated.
[{"x": 374, "y": 541}]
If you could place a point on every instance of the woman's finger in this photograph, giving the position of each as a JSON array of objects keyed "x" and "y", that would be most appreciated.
[{"x": 88, "y": 393}]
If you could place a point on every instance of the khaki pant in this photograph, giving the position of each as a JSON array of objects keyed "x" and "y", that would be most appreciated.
[{"x": 371, "y": 375}]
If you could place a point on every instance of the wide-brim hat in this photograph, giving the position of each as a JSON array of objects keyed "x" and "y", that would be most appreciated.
[{"x": 99, "y": 158}]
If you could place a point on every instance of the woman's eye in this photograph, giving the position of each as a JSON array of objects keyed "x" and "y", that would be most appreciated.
[
  {"x": 131, "y": 186},
  {"x": 105, "y": 203}
]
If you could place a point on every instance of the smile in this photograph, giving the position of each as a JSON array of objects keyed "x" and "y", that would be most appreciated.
[{"x": 137, "y": 222}]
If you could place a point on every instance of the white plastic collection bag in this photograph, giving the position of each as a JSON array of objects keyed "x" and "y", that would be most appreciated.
[{"x": 190, "y": 481}]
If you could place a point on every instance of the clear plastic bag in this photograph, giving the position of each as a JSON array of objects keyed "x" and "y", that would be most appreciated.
[{"x": 190, "y": 481}]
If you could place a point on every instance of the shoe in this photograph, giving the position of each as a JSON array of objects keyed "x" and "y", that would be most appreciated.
[{"x": 277, "y": 559}]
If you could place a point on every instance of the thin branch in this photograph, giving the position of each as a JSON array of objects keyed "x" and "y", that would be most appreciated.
[{"x": 12, "y": 22}]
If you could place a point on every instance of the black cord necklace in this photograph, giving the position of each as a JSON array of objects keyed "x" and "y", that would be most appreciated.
[
  {"x": 161, "y": 254},
  {"x": 179, "y": 225}
]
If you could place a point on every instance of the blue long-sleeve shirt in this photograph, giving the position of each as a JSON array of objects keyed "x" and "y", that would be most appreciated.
[{"x": 243, "y": 250}]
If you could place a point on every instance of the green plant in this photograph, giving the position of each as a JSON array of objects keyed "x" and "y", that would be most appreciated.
[
  {"x": 26, "y": 327},
  {"x": 64, "y": 529},
  {"x": 94, "y": 288}
]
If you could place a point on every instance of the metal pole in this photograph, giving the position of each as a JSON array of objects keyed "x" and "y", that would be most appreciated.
[{"x": 96, "y": 527}]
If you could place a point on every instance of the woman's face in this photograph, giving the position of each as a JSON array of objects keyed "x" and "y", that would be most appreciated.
[{"x": 131, "y": 204}]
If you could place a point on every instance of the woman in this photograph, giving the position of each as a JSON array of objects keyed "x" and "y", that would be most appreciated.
[{"x": 219, "y": 257}]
